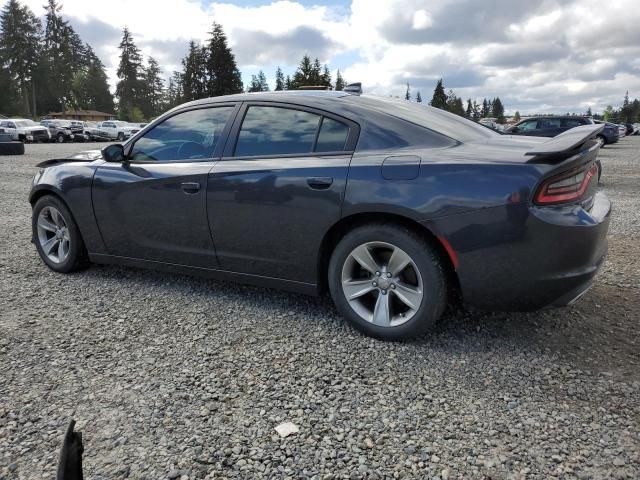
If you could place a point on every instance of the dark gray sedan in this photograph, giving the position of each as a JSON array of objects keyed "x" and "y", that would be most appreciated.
[{"x": 392, "y": 207}]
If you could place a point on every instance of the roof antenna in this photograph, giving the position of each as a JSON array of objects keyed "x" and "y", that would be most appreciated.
[{"x": 354, "y": 88}]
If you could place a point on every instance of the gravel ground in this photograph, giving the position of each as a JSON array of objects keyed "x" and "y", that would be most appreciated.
[{"x": 176, "y": 377}]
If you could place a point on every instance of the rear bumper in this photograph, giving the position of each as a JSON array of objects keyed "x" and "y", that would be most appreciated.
[{"x": 523, "y": 258}]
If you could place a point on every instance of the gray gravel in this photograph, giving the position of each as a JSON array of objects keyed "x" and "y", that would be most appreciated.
[{"x": 176, "y": 377}]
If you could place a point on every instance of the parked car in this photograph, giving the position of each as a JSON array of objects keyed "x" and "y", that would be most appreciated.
[
  {"x": 622, "y": 130},
  {"x": 610, "y": 133},
  {"x": 24, "y": 130},
  {"x": 636, "y": 128},
  {"x": 65, "y": 131},
  {"x": 117, "y": 130},
  {"x": 629, "y": 129},
  {"x": 547, "y": 126},
  {"x": 389, "y": 205},
  {"x": 95, "y": 133}
]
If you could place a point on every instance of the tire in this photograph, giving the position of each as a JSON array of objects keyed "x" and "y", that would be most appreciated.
[
  {"x": 602, "y": 140},
  {"x": 11, "y": 148},
  {"x": 60, "y": 138},
  {"x": 407, "y": 308},
  {"x": 44, "y": 218},
  {"x": 120, "y": 137}
]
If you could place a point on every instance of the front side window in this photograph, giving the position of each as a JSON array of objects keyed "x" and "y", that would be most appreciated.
[
  {"x": 530, "y": 125},
  {"x": 276, "y": 131},
  {"x": 191, "y": 135},
  {"x": 549, "y": 123}
]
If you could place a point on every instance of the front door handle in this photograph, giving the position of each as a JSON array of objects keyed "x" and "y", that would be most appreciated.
[
  {"x": 319, "y": 183},
  {"x": 190, "y": 187}
]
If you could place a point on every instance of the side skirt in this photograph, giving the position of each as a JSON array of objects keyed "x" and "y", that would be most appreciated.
[{"x": 246, "y": 278}]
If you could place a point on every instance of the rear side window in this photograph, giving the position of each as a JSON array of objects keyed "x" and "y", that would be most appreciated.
[
  {"x": 276, "y": 131},
  {"x": 529, "y": 125},
  {"x": 549, "y": 123},
  {"x": 191, "y": 135},
  {"x": 572, "y": 123},
  {"x": 332, "y": 136}
]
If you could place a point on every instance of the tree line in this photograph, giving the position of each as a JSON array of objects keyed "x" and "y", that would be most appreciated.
[
  {"x": 45, "y": 66},
  {"x": 449, "y": 101}
]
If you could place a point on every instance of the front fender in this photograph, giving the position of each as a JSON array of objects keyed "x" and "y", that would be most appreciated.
[{"x": 71, "y": 182}]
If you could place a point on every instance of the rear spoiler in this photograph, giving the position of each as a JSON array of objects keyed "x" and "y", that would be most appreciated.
[{"x": 567, "y": 142}]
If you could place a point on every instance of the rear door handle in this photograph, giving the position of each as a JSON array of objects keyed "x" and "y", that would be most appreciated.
[
  {"x": 190, "y": 187},
  {"x": 319, "y": 183}
]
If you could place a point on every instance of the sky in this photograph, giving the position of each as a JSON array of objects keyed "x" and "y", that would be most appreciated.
[{"x": 538, "y": 56}]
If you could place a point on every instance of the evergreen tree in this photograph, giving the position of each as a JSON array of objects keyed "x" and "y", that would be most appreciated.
[
  {"x": 439, "y": 99},
  {"x": 20, "y": 32},
  {"x": 325, "y": 78},
  {"x": 588, "y": 113},
  {"x": 340, "y": 83},
  {"x": 407, "y": 93},
  {"x": 498, "y": 110},
  {"x": 195, "y": 77},
  {"x": 154, "y": 89},
  {"x": 90, "y": 85},
  {"x": 418, "y": 98},
  {"x": 63, "y": 57},
  {"x": 287, "y": 83},
  {"x": 454, "y": 104},
  {"x": 484, "y": 112},
  {"x": 223, "y": 76},
  {"x": 469, "y": 112},
  {"x": 258, "y": 83},
  {"x": 130, "y": 87},
  {"x": 476, "y": 111},
  {"x": 280, "y": 85},
  {"x": 174, "y": 95},
  {"x": 516, "y": 116},
  {"x": 310, "y": 74}
]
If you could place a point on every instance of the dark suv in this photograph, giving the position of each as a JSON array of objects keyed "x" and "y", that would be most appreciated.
[{"x": 547, "y": 126}]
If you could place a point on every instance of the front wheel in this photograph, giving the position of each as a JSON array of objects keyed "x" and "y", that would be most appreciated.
[
  {"x": 601, "y": 140},
  {"x": 120, "y": 137},
  {"x": 56, "y": 236},
  {"x": 60, "y": 138},
  {"x": 387, "y": 281}
]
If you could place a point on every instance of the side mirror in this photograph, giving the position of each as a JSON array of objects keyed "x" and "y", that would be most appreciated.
[{"x": 113, "y": 153}]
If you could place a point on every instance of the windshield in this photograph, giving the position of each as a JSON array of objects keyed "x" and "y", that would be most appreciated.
[
  {"x": 446, "y": 123},
  {"x": 26, "y": 123}
]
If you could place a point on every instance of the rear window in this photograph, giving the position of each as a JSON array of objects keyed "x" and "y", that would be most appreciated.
[{"x": 445, "y": 123}]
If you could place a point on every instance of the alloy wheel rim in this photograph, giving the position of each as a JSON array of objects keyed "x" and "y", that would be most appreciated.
[
  {"x": 53, "y": 234},
  {"x": 382, "y": 284}
]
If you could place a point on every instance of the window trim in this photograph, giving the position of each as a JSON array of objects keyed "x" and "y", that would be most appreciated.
[
  {"x": 232, "y": 141},
  {"x": 217, "y": 152}
]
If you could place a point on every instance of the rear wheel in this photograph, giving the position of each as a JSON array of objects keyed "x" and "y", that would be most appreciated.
[
  {"x": 56, "y": 236},
  {"x": 387, "y": 281},
  {"x": 601, "y": 140},
  {"x": 60, "y": 138},
  {"x": 120, "y": 137}
]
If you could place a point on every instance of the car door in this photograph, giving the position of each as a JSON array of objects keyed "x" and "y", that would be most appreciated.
[
  {"x": 278, "y": 189},
  {"x": 548, "y": 127},
  {"x": 152, "y": 206}
]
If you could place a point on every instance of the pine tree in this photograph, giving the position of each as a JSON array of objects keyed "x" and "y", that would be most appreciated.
[
  {"x": 280, "y": 85},
  {"x": 516, "y": 116},
  {"x": 407, "y": 93},
  {"x": 90, "y": 85},
  {"x": 63, "y": 57},
  {"x": 130, "y": 87},
  {"x": 307, "y": 74},
  {"x": 174, "y": 90},
  {"x": 454, "y": 104},
  {"x": 223, "y": 76},
  {"x": 418, "y": 98},
  {"x": 19, "y": 51},
  {"x": 469, "y": 111},
  {"x": 325, "y": 79},
  {"x": 258, "y": 83},
  {"x": 484, "y": 112},
  {"x": 287, "y": 83},
  {"x": 498, "y": 110},
  {"x": 195, "y": 79},
  {"x": 439, "y": 99},
  {"x": 340, "y": 82},
  {"x": 476, "y": 111},
  {"x": 154, "y": 89}
]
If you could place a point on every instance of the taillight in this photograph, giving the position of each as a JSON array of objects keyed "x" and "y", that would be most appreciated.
[{"x": 567, "y": 187}]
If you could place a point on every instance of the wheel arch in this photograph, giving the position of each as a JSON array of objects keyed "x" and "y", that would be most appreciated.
[{"x": 348, "y": 223}]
